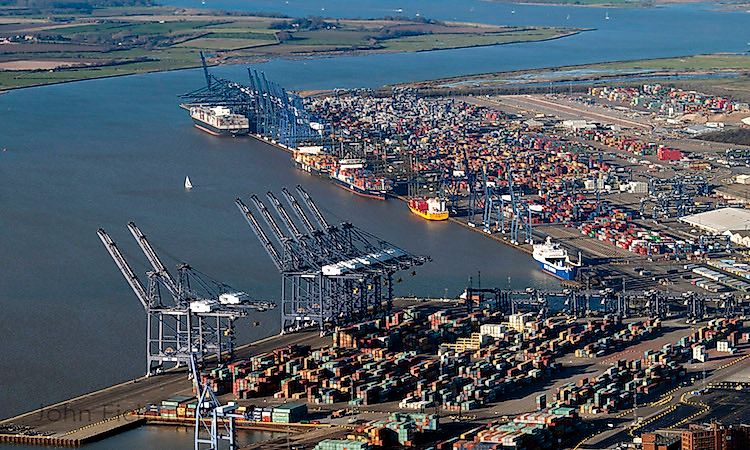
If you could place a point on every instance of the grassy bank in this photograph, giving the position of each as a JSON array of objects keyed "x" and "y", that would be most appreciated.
[
  {"x": 694, "y": 63},
  {"x": 38, "y": 49},
  {"x": 723, "y": 74}
]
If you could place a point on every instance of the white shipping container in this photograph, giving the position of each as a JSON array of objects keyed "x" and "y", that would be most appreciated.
[{"x": 492, "y": 329}]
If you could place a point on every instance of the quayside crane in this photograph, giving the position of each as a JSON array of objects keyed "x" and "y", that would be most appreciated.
[
  {"x": 331, "y": 275},
  {"x": 197, "y": 320}
]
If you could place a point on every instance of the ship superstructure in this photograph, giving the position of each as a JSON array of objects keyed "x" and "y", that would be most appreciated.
[
  {"x": 554, "y": 259},
  {"x": 219, "y": 120}
]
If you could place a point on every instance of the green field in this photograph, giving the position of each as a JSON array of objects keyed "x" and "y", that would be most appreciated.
[
  {"x": 142, "y": 39},
  {"x": 170, "y": 59},
  {"x": 446, "y": 41},
  {"x": 211, "y": 43},
  {"x": 698, "y": 62}
]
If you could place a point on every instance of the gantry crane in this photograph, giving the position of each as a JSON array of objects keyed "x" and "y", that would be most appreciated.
[
  {"x": 331, "y": 275},
  {"x": 199, "y": 319},
  {"x": 214, "y": 422}
]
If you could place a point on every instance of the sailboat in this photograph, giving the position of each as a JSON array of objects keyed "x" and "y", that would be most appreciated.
[
  {"x": 606, "y": 15},
  {"x": 188, "y": 184}
]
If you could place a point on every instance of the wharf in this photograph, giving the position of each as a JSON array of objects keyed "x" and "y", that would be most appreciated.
[
  {"x": 101, "y": 413},
  {"x": 526, "y": 248}
]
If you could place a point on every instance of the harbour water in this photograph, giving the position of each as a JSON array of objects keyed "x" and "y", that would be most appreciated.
[
  {"x": 116, "y": 150},
  {"x": 102, "y": 152}
]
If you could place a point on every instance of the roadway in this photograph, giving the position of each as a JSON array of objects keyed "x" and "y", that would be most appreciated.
[
  {"x": 672, "y": 410},
  {"x": 557, "y": 108}
]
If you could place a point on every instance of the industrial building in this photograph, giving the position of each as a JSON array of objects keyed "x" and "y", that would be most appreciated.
[
  {"x": 716, "y": 437},
  {"x": 653, "y": 441},
  {"x": 719, "y": 221}
]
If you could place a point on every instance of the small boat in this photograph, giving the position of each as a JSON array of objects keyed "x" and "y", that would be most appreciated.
[{"x": 188, "y": 184}]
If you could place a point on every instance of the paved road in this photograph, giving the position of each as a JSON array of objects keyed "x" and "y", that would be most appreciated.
[
  {"x": 677, "y": 408},
  {"x": 557, "y": 108}
]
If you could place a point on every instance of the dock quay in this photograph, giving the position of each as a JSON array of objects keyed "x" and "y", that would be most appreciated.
[{"x": 101, "y": 413}]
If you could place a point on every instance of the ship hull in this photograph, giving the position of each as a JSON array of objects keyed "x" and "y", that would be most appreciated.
[
  {"x": 430, "y": 216},
  {"x": 214, "y": 131},
  {"x": 310, "y": 169},
  {"x": 567, "y": 273},
  {"x": 358, "y": 190}
]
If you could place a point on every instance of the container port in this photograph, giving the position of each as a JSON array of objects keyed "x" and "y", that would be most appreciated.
[
  {"x": 648, "y": 325},
  {"x": 428, "y": 374}
]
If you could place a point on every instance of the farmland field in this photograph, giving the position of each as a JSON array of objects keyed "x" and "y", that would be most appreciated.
[{"x": 119, "y": 41}]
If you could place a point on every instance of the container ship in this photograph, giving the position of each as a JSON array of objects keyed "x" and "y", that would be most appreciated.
[
  {"x": 554, "y": 259},
  {"x": 351, "y": 175},
  {"x": 219, "y": 121},
  {"x": 431, "y": 208},
  {"x": 314, "y": 160}
]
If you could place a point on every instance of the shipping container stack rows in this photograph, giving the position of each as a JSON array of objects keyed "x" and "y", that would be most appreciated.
[
  {"x": 668, "y": 101},
  {"x": 549, "y": 428},
  {"x": 183, "y": 407},
  {"x": 562, "y": 179},
  {"x": 403, "y": 359},
  {"x": 436, "y": 136},
  {"x": 421, "y": 359},
  {"x": 629, "y": 381}
]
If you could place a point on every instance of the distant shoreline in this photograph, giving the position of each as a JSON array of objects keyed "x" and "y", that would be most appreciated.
[
  {"x": 255, "y": 60},
  {"x": 623, "y": 4}
]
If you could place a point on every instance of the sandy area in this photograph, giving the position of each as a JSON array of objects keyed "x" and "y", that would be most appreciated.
[
  {"x": 11, "y": 20},
  {"x": 33, "y": 64}
]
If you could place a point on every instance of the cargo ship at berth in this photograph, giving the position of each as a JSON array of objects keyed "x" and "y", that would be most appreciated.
[
  {"x": 431, "y": 208},
  {"x": 351, "y": 175},
  {"x": 219, "y": 121},
  {"x": 554, "y": 259},
  {"x": 314, "y": 160}
]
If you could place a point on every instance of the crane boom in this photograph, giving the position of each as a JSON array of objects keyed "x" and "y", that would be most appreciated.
[
  {"x": 281, "y": 211},
  {"x": 205, "y": 70},
  {"x": 124, "y": 267},
  {"x": 153, "y": 258},
  {"x": 262, "y": 236},
  {"x": 269, "y": 219},
  {"x": 298, "y": 210},
  {"x": 313, "y": 207}
]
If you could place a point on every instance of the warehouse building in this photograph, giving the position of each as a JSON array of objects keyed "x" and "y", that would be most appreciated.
[
  {"x": 654, "y": 441},
  {"x": 719, "y": 221}
]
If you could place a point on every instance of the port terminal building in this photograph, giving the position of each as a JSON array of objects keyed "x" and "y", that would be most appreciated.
[{"x": 720, "y": 221}]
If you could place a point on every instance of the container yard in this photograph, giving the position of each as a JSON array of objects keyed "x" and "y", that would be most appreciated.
[
  {"x": 520, "y": 176},
  {"x": 522, "y": 169},
  {"x": 428, "y": 374}
]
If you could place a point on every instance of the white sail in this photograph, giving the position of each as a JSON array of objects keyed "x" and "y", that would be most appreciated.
[{"x": 188, "y": 184}]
